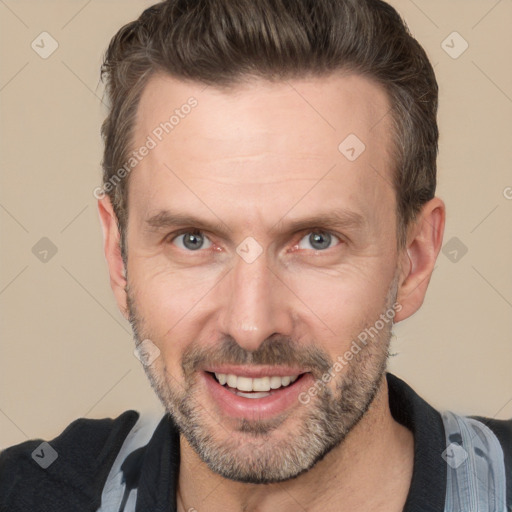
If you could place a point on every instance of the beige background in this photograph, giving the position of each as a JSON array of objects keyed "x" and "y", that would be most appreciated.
[{"x": 66, "y": 352}]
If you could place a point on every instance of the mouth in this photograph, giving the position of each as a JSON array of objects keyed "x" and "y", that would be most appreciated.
[
  {"x": 259, "y": 387},
  {"x": 256, "y": 393}
]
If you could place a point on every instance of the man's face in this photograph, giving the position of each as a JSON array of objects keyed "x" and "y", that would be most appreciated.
[{"x": 259, "y": 250}]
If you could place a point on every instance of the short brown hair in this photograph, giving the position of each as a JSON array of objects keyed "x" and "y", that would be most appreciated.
[{"x": 221, "y": 42}]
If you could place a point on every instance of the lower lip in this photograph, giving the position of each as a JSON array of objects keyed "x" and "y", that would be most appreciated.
[{"x": 277, "y": 402}]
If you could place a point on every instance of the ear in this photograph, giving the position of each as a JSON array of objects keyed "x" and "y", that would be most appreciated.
[
  {"x": 112, "y": 248},
  {"x": 418, "y": 258}
]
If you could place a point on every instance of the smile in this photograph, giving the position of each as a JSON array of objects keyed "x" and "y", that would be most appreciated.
[
  {"x": 254, "y": 388},
  {"x": 255, "y": 393}
]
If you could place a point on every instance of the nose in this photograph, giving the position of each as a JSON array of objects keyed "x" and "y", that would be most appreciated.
[{"x": 257, "y": 304}]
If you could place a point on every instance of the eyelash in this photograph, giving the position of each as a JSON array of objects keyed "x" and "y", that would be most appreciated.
[{"x": 173, "y": 236}]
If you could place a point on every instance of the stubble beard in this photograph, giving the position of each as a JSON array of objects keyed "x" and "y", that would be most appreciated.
[{"x": 269, "y": 451}]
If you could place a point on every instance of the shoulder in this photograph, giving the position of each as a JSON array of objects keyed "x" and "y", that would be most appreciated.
[
  {"x": 502, "y": 429},
  {"x": 487, "y": 447},
  {"x": 69, "y": 470}
]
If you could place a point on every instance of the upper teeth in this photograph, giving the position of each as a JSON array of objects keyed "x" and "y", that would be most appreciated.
[{"x": 259, "y": 384}]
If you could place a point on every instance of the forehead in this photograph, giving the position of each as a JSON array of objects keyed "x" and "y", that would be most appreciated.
[
  {"x": 325, "y": 139},
  {"x": 327, "y": 106}
]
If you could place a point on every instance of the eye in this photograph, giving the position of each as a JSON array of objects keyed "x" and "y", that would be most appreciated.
[
  {"x": 192, "y": 240},
  {"x": 318, "y": 240}
]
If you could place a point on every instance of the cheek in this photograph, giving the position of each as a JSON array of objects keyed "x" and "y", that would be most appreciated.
[
  {"x": 343, "y": 302},
  {"x": 170, "y": 304}
]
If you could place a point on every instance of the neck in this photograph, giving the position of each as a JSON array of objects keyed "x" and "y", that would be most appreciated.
[{"x": 370, "y": 469}]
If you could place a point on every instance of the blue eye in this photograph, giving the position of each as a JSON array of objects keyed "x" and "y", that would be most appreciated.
[
  {"x": 192, "y": 241},
  {"x": 318, "y": 240}
]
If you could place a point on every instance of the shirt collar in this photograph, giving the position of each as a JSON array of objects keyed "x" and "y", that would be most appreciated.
[{"x": 428, "y": 485}]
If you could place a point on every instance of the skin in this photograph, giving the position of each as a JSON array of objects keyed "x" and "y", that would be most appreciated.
[{"x": 254, "y": 158}]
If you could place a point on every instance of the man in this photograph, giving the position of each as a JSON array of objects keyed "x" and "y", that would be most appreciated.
[{"x": 269, "y": 211}]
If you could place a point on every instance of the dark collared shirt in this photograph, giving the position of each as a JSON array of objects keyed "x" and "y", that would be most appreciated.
[{"x": 87, "y": 449}]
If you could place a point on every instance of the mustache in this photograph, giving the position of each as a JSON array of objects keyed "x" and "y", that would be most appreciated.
[{"x": 277, "y": 350}]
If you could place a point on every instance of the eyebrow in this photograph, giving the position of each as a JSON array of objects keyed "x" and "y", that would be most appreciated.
[
  {"x": 337, "y": 218},
  {"x": 166, "y": 219}
]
